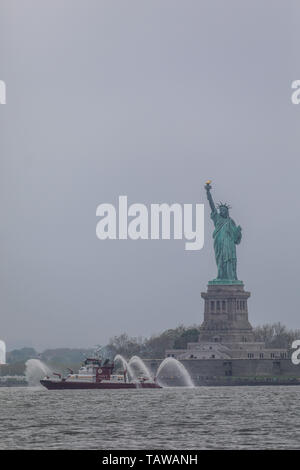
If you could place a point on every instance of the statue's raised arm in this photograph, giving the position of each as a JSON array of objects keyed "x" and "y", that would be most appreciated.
[{"x": 209, "y": 196}]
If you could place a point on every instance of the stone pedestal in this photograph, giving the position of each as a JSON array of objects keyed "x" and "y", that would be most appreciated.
[{"x": 226, "y": 314}]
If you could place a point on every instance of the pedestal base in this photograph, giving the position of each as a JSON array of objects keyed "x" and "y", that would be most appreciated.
[{"x": 226, "y": 313}]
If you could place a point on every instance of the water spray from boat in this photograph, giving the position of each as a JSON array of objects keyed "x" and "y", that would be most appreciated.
[
  {"x": 35, "y": 370},
  {"x": 127, "y": 369},
  {"x": 171, "y": 370},
  {"x": 137, "y": 363}
]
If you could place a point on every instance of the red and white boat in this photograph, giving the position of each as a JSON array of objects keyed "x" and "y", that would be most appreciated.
[{"x": 95, "y": 375}]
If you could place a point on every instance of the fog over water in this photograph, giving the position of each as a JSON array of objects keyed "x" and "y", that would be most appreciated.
[{"x": 148, "y": 100}]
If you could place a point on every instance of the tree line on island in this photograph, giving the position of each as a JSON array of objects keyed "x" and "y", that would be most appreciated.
[{"x": 275, "y": 335}]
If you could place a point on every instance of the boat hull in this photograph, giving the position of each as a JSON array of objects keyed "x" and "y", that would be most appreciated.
[{"x": 65, "y": 385}]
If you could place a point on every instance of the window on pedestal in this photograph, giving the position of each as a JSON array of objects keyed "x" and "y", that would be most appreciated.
[
  {"x": 240, "y": 305},
  {"x": 212, "y": 306},
  {"x": 218, "y": 305},
  {"x": 224, "y": 309}
]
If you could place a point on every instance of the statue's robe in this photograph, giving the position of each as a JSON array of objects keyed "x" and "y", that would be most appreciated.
[{"x": 226, "y": 235}]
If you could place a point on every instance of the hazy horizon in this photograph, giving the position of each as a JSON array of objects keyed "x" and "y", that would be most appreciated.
[{"x": 148, "y": 100}]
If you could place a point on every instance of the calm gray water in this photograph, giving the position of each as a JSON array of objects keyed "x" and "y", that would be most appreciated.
[{"x": 174, "y": 418}]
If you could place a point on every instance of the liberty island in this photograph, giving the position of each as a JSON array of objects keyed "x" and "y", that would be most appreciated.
[{"x": 226, "y": 352}]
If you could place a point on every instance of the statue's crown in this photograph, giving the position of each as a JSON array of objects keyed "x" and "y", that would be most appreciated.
[{"x": 223, "y": 204}]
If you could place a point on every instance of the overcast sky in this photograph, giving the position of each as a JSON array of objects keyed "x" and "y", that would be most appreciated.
[{"x": 147, "y": 98}]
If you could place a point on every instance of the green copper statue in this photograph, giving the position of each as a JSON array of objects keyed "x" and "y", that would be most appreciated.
[{"x": 226, "y": 235}]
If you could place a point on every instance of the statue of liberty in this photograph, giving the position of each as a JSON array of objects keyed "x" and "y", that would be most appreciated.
[{"x": 226, "y": 235}]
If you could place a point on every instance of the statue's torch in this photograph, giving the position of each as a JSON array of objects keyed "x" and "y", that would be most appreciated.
[{"x": 207, "y": 185}]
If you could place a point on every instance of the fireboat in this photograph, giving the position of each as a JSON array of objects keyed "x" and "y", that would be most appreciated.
[{"x": 96, "y": 374}]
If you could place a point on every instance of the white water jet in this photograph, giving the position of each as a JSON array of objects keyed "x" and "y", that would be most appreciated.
[
  {"x": 172, "y": 367},
  {"x": 137, "y": 362},
  {"x": 126, "y": 366},
  {"x": 2, "y": 352},
  {"x": 35, "y": 370}
]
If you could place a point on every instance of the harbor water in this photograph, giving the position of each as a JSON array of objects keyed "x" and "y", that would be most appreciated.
[{"x": 169, "y": 418}]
